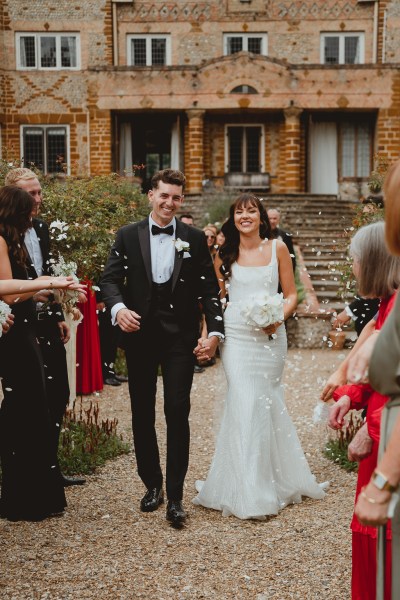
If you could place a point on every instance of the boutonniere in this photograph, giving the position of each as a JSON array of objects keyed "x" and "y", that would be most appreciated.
[{"x": 182, "y": 246}]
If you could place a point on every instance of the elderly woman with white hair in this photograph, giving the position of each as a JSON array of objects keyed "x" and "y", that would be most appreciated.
[{"x": 378, "y": 275}]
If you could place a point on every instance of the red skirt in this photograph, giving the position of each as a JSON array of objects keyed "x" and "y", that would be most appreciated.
[{"x": 89, "y": 377}]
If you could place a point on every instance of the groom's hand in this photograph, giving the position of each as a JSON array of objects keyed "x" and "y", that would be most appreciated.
[
  {"x": 128, "y": 320},
  {"x": 206, "y": 348}
]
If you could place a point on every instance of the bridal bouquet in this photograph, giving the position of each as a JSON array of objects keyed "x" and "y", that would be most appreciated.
[
  {"x": 66, "y": 269},
  {"x": 264, "y": 310},
  {"x": 5, "y": 310}
]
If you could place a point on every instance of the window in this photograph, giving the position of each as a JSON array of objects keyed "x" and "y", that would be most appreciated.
[
  {"x": 342, "y": 48},
  {"x": 244, "y": 149},
  {"x": 46, "y": 147},
  {"x": 47, "y": 51},
  {"x": 250, "y": 42},
  {"x": 355, "y": 150},
  {"x": 244, "y": 89},
  {"x": 149, "y": 50}
]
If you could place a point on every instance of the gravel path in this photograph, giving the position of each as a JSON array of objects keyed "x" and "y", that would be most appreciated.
[{"x": 105, "y": 548}]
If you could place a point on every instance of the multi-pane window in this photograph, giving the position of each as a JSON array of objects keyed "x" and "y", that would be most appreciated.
[
  {"x": 244, "y": 149},
  {"x": 149, "y": 50},
  {"x": 45, "y": 147},
  {"x": 355, "y": 149},
  {"x": 47, "y": 51},
  {"x": 342, "y": 48},
  {"x": 250, "y": 42}
]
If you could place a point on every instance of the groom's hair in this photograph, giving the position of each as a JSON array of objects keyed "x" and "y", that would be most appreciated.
[{"x": 168, "y": 176}]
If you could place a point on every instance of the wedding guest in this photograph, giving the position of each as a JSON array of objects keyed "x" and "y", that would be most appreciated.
[
  {"x": 211, "y": 237},
  {"x": 258, "y": 467},
  {"x": 378, "y": 275},
  {"x": 220, "y": 239},
  {"x": 360, "y": 311},
  {"x": 274, "y": 217},
  {"x": 53, "y": 331},
  {"x": 187, "y": 218},
  {"x": 155, "y": 301},
  {"x": 372, "y": 506},
  {"x": 31, "y": 485},
  {"x": 109, "y": 341},
  {"x": 89, "y": 376}
]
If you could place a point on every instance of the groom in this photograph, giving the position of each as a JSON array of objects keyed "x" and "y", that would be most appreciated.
[{"x": 153, "y": 283}]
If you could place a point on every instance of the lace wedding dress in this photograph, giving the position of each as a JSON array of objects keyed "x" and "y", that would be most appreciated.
[{"x": 258, "y": 466}]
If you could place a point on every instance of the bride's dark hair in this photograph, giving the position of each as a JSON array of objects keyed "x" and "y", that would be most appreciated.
[
  {"x": 16, "y": 207},
  {"x": 229, "y": 251}
]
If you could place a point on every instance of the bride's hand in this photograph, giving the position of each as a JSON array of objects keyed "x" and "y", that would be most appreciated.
[{"x": 271, "y": 329}]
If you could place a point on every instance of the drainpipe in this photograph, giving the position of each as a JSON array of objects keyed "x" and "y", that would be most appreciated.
[
  {"x": 115, "y": 33},
  {"x": 384, "y": 36},
  {"x": 375, "y": 33}
]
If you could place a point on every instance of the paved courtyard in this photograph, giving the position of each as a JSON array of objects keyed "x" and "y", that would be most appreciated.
[{"x": 105, "y": 548}]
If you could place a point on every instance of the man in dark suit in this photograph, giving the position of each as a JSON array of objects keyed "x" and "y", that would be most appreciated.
[
  {"x": 158, "y": 271},
  {"x": 274, "y": 218},
  {"x": 53, "y": 331}
]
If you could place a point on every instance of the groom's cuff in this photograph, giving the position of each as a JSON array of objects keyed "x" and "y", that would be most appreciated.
[
  {"x": 114, "y": 311},
  {"x": 218, "y": 334}
]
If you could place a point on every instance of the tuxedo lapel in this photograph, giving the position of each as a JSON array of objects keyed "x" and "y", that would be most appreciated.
[
  {"x": 180, "y": 232},
  {"x": 144, "y": 241}
]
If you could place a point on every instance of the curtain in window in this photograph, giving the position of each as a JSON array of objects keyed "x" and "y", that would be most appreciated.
[
  {"x": 175, "y": 145},
  {"x": 68, "y": 51},
  {"x": 125, "y": 150},
  {"x": 323, "y": 158}
]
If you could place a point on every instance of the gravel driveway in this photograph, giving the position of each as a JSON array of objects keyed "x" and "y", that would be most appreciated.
[{"x": 105, "y": 548}]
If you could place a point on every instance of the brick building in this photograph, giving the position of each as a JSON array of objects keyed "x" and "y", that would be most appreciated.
[{"x": 296, "y": 95}]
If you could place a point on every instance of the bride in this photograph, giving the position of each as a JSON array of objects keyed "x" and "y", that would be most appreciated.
[{"x": 258, "y": 466}]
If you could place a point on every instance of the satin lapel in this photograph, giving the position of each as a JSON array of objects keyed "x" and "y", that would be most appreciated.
[
  {"x": 144, "y": 241},
  {"x": 180, "y": 232}
]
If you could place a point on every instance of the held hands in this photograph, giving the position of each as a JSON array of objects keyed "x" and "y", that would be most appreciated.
[
  {"x": 334, "y": 381},
  {"x": 338, "y": 411},
  {"x": 9, "y": 322},
  {"x": 128, "y": 320},
  {"x": 206, "y": 348},
  {"x": 361, "y": 445},
  {"x": 372, "y": 506},
  {"x": 271, "y": 329}
]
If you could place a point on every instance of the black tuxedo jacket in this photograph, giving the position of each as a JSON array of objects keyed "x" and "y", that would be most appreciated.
[
  {"x": 287, "y": 239},
  {"x": 42, "y": 231},
  {"x": 127, "y": 277}
]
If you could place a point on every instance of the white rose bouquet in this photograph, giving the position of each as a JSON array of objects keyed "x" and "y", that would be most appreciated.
[
  {"x": 264, "y": 310},
  {"x": 5, "y": 310}
]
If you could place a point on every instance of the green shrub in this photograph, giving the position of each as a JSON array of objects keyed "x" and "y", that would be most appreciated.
[{"x": 86, "y": 442}]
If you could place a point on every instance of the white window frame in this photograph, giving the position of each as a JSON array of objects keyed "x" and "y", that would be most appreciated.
[
  {"x": 148, "y": 37},
  {"x": 45, "y": 127},
  {"x": 262, "y": 144},
  {"x": 37, "y": 37},
  {"x": 246, "y": 37},
  {"x": 342, "y": 35}
]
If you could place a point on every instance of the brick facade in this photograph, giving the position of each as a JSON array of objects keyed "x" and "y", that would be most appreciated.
[{"x": 182, "y": 113}]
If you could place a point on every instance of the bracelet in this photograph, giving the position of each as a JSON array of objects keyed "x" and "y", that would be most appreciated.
[{"x": 372, "y": 500}]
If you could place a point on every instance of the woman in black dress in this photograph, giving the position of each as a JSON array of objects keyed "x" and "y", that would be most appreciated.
[{"x": 31, "y": 484}]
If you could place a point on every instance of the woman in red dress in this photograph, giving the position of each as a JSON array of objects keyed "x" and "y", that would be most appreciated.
[
  {"x": 378, "y": 275},
  {"x": 89, "y": 377}
]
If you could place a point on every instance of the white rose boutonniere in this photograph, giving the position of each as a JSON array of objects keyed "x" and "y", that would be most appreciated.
[{"x": 182, "y": 247}]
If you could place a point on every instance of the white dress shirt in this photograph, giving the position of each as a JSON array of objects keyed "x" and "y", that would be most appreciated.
[
  {"x": 162, "y": 252},
  {"x": 33, "y": 247}
]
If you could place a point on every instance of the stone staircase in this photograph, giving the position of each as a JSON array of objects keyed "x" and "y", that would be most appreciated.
[{"x": 321, "y": 228}]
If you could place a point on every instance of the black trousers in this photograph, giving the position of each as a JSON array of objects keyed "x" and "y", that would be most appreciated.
[{"x": 153, "y": 346}]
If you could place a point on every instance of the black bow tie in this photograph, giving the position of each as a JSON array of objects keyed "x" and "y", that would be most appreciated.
[{"x": 157, "y": 230}]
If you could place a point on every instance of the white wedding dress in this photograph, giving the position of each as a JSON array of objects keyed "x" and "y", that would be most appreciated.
[{"x": 258, "y": 466}]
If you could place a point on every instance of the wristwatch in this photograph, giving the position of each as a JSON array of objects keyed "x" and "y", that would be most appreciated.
[{"x": 380, "y": 481}]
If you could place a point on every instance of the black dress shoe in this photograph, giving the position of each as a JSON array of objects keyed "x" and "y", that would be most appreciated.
[
  {"x": 111, "y": 381},
  {"x": 121, "y": 378},
  {"x": 176, "y": 513},
  {"x": 152, "y": 500},
  {"x": 67, "y": 481}
]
